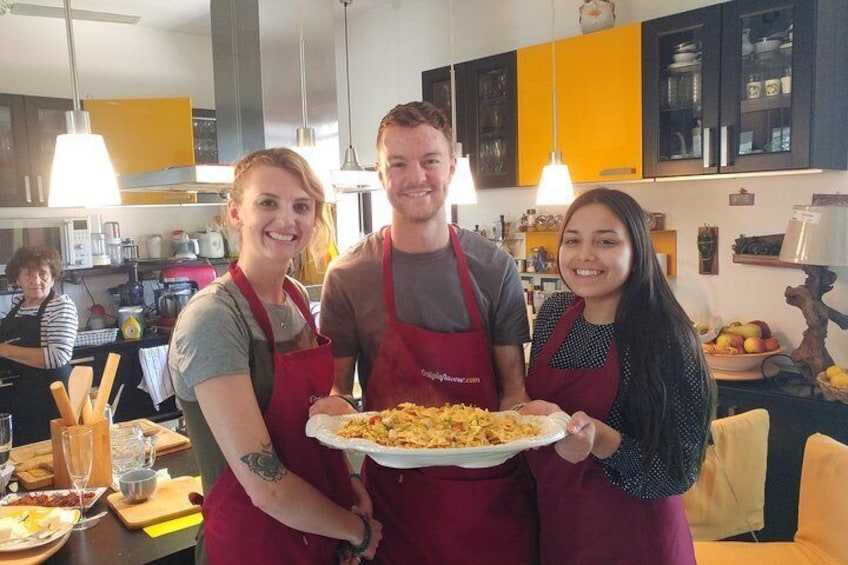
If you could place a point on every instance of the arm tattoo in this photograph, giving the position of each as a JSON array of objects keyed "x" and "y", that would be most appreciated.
[{"x": 265, "y": 464}]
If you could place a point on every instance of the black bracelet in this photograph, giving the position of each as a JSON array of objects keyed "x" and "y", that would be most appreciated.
[
  {"x": 360, "y": 549},
  {"x": 347, "y": 398}
]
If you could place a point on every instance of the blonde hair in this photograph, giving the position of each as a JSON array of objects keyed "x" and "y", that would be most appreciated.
[{"x": 294, "y": 163}]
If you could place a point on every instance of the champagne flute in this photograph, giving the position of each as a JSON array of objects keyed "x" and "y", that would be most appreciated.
[
  {"x": 5, "y": 437},
  {"x": 78, "y": 447}
]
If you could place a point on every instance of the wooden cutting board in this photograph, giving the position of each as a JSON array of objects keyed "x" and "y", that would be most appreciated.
[
  {"x": 34, "y": 462},
  {"x": 169, "y": 501}
]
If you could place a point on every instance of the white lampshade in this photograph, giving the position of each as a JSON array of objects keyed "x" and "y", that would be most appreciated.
[
  {"x": 817, "y": 235},
  {"x": 313, "y": 156},
  {"x": 462, "y": 189},
  {"x": 555, "y": 188},
  {"x": 82, "y": 173},
  {"x": 353, "y": 176}
]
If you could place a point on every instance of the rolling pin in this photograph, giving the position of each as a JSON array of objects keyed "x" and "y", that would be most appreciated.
[
  {"x": 105, "y": 388},
  {"x": 63, "y": 403}
]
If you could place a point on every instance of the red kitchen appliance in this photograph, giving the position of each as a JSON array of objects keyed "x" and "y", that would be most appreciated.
[{"x": 179, "y": 283}]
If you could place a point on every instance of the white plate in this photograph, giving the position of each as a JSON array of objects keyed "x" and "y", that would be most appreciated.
[
  {"x": 324, "y": 427},
  {"x": 685, "y": 66},
  {"x": 10, "y": 498},
  {"x": 55, "y": 523}
]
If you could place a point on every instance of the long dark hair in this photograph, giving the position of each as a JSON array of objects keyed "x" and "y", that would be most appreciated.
[{"x": 652, "y": 332}]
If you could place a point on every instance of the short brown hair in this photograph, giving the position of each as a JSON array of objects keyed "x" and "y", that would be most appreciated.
[
  {"x": 291, "y": 161},
  {"x": 35, "y": 256},
  {"x": 413, "y": 114}
]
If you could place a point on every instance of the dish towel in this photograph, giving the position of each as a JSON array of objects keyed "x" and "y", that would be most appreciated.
[{"x": 156, "y": 379}]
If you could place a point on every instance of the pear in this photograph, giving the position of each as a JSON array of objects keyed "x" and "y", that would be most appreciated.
[{"x": 746, "y": 330}]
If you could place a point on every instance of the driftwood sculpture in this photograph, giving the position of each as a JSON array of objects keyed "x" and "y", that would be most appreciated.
[{"x": 812, "y": 356}]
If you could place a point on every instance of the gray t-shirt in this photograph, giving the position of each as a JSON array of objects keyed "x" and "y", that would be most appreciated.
[
  {"x": 216, "y": 335},
  {"x": 428, "y": 294}
]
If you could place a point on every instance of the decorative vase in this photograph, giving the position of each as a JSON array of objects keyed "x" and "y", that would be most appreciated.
[{"x": 596, "y": 15}]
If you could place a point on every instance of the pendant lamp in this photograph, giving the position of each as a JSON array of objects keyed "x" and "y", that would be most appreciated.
[
  {"x": 352, "y": 176},
  {"x": 555, "y": 188},
  {"x": 462, "y": 189},
  {"x": 306, "y": 135},
  {"x": 82, "y": 173}
]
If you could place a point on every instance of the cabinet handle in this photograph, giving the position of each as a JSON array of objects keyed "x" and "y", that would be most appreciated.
[
  {"x": 40, "y": 189},
  {"x": 27, "y": 189},
  {"x": 707, "y": 146},
  {"x": 723, "y": 148},
  {"x": 81, "y": 360},
  {"x": 618, "y": 171}
]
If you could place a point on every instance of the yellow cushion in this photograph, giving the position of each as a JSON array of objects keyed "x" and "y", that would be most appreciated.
[
  {"x": 750, "y": 553},
  {"x": 738, "y": 458},
  {"x": 823, "y": 499}
]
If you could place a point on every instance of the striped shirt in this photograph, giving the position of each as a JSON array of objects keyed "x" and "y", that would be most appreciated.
[{"x": 58, "y": 329}]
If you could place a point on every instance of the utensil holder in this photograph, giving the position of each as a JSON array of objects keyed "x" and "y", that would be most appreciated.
[{"x": 101, "y": 464}]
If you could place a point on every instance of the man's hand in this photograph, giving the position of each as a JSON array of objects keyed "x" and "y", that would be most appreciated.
[{"x": 332, "y": 405}]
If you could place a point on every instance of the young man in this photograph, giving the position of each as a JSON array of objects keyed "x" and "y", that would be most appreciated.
[{"x": 432, "y": 313}]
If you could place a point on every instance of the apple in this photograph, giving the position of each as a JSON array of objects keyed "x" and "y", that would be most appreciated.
[
  {"x": 765, "y": 330},
  {"x": 746, "y": 330},
  {"x": 771, "y": 343},
  {"x": 754, "y": 345}
]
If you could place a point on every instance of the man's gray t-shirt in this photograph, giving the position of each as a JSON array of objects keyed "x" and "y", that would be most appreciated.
[{"x": 428, "y": 294}]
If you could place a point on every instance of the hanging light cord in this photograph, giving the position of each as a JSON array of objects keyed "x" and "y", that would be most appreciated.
[
  {"x": 303, "y": 108},
  {"x": 71, "y": 55},
  {"x": 554, "y": 71},
  {"x": 347, "y": 76},
  {"x": 452, "y": 77}
]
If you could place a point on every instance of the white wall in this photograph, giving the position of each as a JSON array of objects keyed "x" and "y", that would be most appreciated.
[{"x": 391, "y": 44}]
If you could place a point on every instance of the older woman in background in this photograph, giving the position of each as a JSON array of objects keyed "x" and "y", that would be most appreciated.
[{"x": 36, "y": 340}]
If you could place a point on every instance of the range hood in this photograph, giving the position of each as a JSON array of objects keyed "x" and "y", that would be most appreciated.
[{"x": 255, "y": 53}]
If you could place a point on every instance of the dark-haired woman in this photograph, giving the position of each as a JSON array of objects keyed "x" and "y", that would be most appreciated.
[
  {"x": 619, "y": 354},
  {"x": 36, "y": 341}
]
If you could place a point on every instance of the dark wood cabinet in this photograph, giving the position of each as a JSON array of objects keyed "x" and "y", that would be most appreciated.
[
  {"x": 796, "y": 411},
  {"x": 746, "y": 86},
  {"x": 28, "y": 129},
  {"x": 486, "y": 114}
]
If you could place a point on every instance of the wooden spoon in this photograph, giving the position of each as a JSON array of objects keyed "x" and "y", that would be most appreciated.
[
  {"x": 78, "y": 387},
  {"x": 105, "y": 388}
]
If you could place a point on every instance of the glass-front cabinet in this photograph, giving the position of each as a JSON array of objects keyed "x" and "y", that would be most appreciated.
[
  {"x": 28, "y": 129},
  {"x": 744, "y": 86}
]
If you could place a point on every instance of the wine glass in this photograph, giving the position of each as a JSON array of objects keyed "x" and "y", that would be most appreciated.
[
  {"x": 5, "y": 437},
  {"x": 78, "y": 447}
]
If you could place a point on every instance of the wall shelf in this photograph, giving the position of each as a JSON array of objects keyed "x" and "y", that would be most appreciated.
[{"x": 764, "y": 261}]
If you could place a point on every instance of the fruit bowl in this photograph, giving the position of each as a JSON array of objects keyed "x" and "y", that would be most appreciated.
[
  {"x": 831, "y": 392},
  {"x": 740, "y": 361}
]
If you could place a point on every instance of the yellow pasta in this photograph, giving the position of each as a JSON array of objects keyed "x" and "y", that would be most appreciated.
[{"x": 452, "y": 425}]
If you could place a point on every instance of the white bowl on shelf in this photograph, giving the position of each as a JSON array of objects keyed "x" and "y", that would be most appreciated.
[
  {"x": 766, "y": 45},
  {"x": 741, "y": 361}
]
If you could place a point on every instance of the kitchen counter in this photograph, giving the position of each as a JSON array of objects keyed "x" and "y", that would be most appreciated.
[{"x": 110, "y": 542}]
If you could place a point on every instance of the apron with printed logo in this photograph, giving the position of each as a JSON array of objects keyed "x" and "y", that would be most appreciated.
[
  {"x": 583, "y": 517},
  {"x": 236, "y": 531},
  {"x": 445, "y": 515}
]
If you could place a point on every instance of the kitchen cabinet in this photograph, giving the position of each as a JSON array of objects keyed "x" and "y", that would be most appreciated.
[
  {"x": 599, "y": 106},
  {"x": 486, "y": 114},
  {"x": 28, "y": 129},
  {"x": 205, "y": 130},
  {"x": 746, "y": 86}
]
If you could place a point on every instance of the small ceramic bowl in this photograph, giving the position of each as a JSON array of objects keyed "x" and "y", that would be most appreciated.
[
  {"x": 138, "y": 485},
  {"x": 687, "y": 57},
  {"x": 766, "y": 45}
]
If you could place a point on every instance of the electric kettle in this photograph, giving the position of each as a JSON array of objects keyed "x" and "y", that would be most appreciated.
[
  {"x": 184, "y": 248},
  {"x": 210, "y": 244}
]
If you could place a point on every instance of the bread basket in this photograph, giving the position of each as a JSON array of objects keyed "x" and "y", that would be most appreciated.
[{"x": 831, "y": 392}]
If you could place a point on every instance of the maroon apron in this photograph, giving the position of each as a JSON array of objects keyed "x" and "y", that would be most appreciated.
[
  {"x": 236, "y": 531},
  {"x": 584, "y": 518},
  {"x": 445, "y": 515}
]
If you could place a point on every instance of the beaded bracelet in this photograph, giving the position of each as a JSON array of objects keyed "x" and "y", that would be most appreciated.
[
  {"x": 360, "y": 549},
  {"x": 355, "y": 476}
]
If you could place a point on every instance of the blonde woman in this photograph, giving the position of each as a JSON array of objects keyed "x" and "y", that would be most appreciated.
[{"x": 247, "y": 363}]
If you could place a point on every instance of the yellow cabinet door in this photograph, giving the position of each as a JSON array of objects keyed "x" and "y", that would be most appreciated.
[
  {"x": 599, "y": 106},
  {"x": 144, "y": 134},
  {"x": 599, "y": 78}
]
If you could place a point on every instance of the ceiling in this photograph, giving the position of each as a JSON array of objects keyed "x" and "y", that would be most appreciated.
[{"x": 175, "y": 16}]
